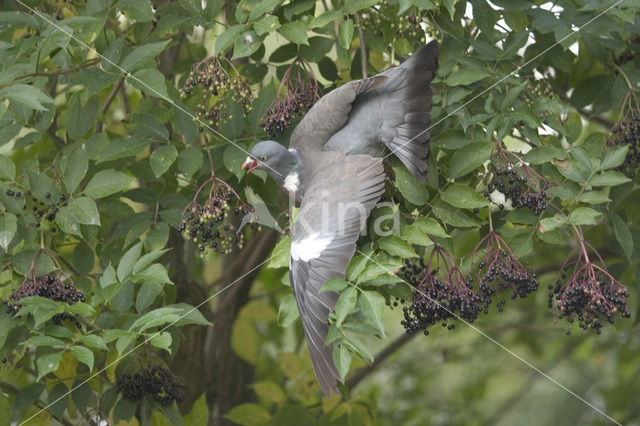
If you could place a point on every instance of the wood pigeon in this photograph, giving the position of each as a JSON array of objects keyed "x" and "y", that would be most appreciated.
[{"x": 334, "y": 168}]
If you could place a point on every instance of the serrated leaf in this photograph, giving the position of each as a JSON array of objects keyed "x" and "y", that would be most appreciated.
[
  {"x": 584, "y": 216},
  {"x": 128, "y": 260},
  {"x": 262, "y": 7},
  {"x": 462, "y": 196},
  {"x": 107, "y": 182},
  {"x": 266, "y": 25},
  {"x": 154, "y": 273},
  {"x": 150, "y": 81},
  {"x": 431, "y": 227},
  {"x": 142, "y": 55},
  {"x": 280, "y": 254},
  {"x": 228, "y": 36},
  {"x": 295, "y": 32},
  {"x": 84, "y": 209},
  {"x": 27, "y": 96},
  {"x": 67, "y": 221},
  {"x": 160, "y": 316},
  {"x": 248, "y": 414},
  {"x": 548, "y": 224},
  {"x": 147, "y": 295},
  {"x": 334, "y": 284},
  {"x": 84, "y": 355},
  {"x": 288, "y": 311},
  {"x": 325, "y": 18},
  {"x": 608, "y": 178},
  {"x": 342, "y": 359},
  {"x": 94, "y": 341},
  {"x": 623, "y": 235},
  {"x": 8, "y": 228},
  {"x": 74, "y": 168},
  {"x": 372, "y": 305},
  {"x": 148, "y": 259},
  {"x": 469, "y": 158},
  {"x": 613, "y": 157},
  {"x": 80, "y": 118},
  {"x": 412, "y": 190},
  {"x": 396, "y": 247},
  {"x": 345, "y": 304},
  {"x": 162, "y": 341},
  {"x": 7, "y": 168},
  {"x": 162, "y": 158},
  {"x": 594, "y": 197},
  {"x": 345, "y": 32},
  {"x": 358, "y": 347},
  {"x": 465, "y": 76},
  {"x": 47, "y": 363}
]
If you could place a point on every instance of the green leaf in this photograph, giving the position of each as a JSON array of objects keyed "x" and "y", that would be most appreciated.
[
  {"x": 295, "y": 32},
  {"x": 84, "y": 355},
  {"x": 267, "y": 24},
  {"x": 8, "y": 228},
  {"x": 325, "y": 18},
  {"x": 280, "y": 254},
  {"x": 345, "y": 33},
  {"x": 154, "y": 273},
  {"x": 412, "y": 190},
  {"x": 573, "y": 126},
  {"x": 469, "y": 158},
  {"x": 545, "y": 154},
  {"x": 342, "y": 359},
  {"x": 396, "y": 247},
  {"x": 345, "y": 304},
  {"x": 80, "y": 118},
  {"x": 372, "y": 305},
  {"x": 613, "y": 157},
  {"x": 48, "y": 363},
  {"x": 148, "y": 259},
  {"x": 623, "y": 235},
  {"x": 233, "y": 159},
  {"x": 27, "y": 96},
  {"x": 450, "y": 139},
  {"x": 452, "y": 216},
  {"x": 160, "y": 316},
  {"x": 269, "y": 391},
  {"x": 246, "y": 44},
  {"x": 162, "y": 158},
  {"x": 358, "y": 347},
  {"x": 594, "y": 197},
  {"x": 548, "y": 224},
  {"x": 431, "y": 227},
  {"x": 609, "y": 178},
  {"x": 107, "y": 182},
  {"x": 466, "y": 76},
  {"x": 94, "y": 341},
  {"x": 262, "y": 7},
  {"x": 84, "y": 209},
  {"x": 228, "y": 36},
  {"x": 142, "y": 55},
  {"x": 162, "y": 341},
  {"x": 248, "y": 414},
  {"x": 334, "y": 284},
  {"x": 353, "y": 6},
  {"x": 147, "y": 295},
  {"x": 67, "y": 221},
  {"x": 74, "y": 168},
  {"x": 288, "y": 311},
  {"x": 7, "y": 168},
  {"x": 584, "y": 216},
  {"x": 128, "y": 260},
  {"x": 190, "y": 160},
  {"x": 462, "y": 196},
  {"x": 150, "y": 81}
]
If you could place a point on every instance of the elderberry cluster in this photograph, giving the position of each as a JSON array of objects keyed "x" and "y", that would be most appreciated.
[
  {"x": 519, "y": 183},
  {"x": 499, "y": 270},
  {"x": 46, "y": 208},
  {"x": 627, "y": 132},
  {"x": 211, "y": 77},
  {"x": 298, "y": 92},
  {"x": 48, "y": 286},
  {"x": 155, "y": 382},
  {"x": 590, "y": 295},
  {"x": 208, "y": 224}
]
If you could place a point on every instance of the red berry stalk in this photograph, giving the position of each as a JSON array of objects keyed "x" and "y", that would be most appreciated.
[{"x": 297, "y": 93}]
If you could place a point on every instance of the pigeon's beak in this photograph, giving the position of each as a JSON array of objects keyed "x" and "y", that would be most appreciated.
[{"x": 249, "y": 165}]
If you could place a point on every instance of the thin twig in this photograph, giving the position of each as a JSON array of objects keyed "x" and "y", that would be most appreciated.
[
  {"x": 74, "y": 68},
  {"x": 363, "y": 48},
  {"x": 360, "y": 374},
  {"x": 107, "y": 102}
]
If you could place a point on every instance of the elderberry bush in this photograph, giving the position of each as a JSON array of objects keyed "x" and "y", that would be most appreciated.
[
  {"x": 627, "y": 132},
  {"x": 49, "y": 286},
  {"x": 155, "y": 382}
]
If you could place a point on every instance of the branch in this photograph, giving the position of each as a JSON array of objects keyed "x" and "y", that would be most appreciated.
[
  {"x": 363, "y": 48},
  {"x": 107, "y": 102},
  {"x": 360, "y": 374},
  {"x": 74, "y": 68}
]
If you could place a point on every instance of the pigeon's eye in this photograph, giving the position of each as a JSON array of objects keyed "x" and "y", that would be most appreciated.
[{"x": 263, "y": 158}]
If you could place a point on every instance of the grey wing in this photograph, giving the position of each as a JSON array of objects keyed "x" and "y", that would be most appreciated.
[
  {"x": 341, "y": 193},
  {"x": 330, "y": 113}
]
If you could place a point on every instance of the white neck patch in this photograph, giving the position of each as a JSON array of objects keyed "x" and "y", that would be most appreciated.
[
  {"x": 310, "y": 247},
  {"x": 291, "y": 182}
]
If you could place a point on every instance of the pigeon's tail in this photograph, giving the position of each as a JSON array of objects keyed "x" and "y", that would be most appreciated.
[{"x": 407, "y": 110}]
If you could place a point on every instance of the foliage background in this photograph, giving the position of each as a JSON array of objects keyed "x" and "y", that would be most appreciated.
[{"x": 128, "y": 160}]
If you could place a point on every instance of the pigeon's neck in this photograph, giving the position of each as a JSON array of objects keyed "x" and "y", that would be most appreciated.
[{"x": 291, "y": 173}]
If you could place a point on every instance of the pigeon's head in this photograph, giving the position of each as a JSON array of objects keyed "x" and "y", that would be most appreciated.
[{"x": 269, "y": 156}]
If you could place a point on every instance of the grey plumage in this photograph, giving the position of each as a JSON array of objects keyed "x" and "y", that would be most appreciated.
[{"x": 334, "y": 167}]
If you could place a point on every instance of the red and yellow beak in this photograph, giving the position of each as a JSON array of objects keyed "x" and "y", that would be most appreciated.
[{"x": 249, "y": 165}]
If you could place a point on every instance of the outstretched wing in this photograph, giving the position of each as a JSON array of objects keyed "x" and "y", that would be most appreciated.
[
  {"x": 341, "y": 192},
  {"x": 329, "y": 114}
]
